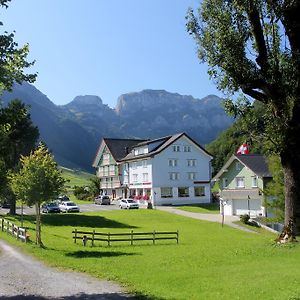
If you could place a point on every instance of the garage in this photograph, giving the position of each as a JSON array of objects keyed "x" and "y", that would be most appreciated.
[{"x": 243, "y": 206}]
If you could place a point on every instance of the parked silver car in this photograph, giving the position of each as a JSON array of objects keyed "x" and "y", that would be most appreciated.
[
  {"x": 102, "y": 200},
  {"x": 68, "y": 206},
  {"x": 128, "y": 204}
]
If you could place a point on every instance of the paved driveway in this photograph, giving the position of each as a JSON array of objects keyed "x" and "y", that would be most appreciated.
[
  {"x": 228, "y": 220},
  {"x": 83, "y": 208}
]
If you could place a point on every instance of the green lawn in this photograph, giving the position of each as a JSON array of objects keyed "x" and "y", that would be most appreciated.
[
  {"x": 78, "y": 178},
  {"x": 211, "y": 208},
  {"x": 210, "y": 262}
]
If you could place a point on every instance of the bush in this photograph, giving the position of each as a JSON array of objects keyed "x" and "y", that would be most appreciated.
[{"x": 245, "y": 218}]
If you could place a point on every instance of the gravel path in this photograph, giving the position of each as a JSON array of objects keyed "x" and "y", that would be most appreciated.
[{"x": 23, "y": 277}]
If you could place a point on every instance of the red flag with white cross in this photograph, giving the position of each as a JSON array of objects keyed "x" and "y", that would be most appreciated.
[{"x": 243, "y": 149}]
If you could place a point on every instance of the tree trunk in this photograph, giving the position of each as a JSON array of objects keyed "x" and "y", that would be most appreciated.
[
  {"x": 12, "y": 201},
  {"x": 290, "y": 159},
  {"x": 38, "y": 239}
]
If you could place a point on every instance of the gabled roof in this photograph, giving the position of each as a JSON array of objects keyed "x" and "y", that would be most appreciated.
[
  {"x": 118, "y": 148},
  {"x": 162, "y": 143},
  {"x": 257, "y": 163}
]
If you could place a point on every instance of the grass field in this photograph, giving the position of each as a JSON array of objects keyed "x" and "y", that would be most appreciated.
[
  {"x": 78, "y": 178},
  {"x": 211, "y": 208},
  {"x": 210, "y": 262}
]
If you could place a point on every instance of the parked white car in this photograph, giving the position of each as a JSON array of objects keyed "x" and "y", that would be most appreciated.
[
  {"x": 128, "y": 204},
  {"x": 68, "y": 206}
]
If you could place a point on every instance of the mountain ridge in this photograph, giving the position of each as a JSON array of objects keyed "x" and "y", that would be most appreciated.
[{"x": 73, "y": 131}]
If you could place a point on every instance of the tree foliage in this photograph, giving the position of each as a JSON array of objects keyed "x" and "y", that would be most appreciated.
[
  {"x": 13, "y": 60},
  {"x": 39, "y": 179},
  {"x": 274, "y": 192},
  {"x": 247, "y": 129},
  {"x": 253, "y": 48},
  {"x": 19, "y": 137}
]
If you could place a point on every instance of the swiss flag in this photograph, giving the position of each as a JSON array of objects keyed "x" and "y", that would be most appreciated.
[{"x": 243, "y": 149}]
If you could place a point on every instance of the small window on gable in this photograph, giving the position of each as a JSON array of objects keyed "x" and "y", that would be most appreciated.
[
  {"x": 240, "y": 182},
  {"x": 187, "y": 148},
  {"x": 176, "y": 148},
  {"x": 238, "y": 166},
  {"x": 254, "y": 181},
  {"x": 225, "y": 183}
]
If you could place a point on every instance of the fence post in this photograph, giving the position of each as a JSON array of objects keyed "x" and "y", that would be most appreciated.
[
  {"x": 25, "y": 235},
  {"x": 93, "y": 236},
  {"x": 177, "y": 236},
  {"x": 153, "y": 237},
  {"x": 131, "y": 242},
  {"x": 75, "y": 237},
  {"x": 108, "y": 240}
]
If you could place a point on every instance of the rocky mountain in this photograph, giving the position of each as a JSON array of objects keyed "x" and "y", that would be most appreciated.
[{"x": 73, "y": 131}]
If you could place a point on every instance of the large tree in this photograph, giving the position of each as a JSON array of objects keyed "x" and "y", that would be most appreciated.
[
  {"x": 18, "y": 138},
  {"x": 13, "y": 63},
  {"x": 39, "y": 179},
  {"x": 252, "y": 47}
]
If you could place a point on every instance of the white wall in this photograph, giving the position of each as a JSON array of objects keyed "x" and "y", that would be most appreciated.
[{"x": 161, "y": 170}]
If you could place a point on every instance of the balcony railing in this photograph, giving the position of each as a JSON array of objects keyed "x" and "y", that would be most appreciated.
[
  {"x": 110, "y": 184},
  {"x": 241, "y": 194}
]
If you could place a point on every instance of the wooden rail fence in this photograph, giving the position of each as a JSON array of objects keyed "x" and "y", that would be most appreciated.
[
  {"x": 131, "y": 237},
  {"x": 10, "y": 228}
]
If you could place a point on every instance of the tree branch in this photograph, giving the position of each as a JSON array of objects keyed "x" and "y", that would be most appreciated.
[{"x": 254, "y": 19}]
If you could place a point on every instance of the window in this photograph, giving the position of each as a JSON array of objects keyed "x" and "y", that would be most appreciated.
[
  {"x": 199, "y": 191},
  {"x": 134, "y": 165},
  {"x": 173, "y": 176},
  {"x": 187, "y": 148},
  {"x": 183, "y": 192},
  {"x": 106, "y": 157},
  {"x": 145, "y": 177},
  {"x": 144, "y": 163},
  {"x": 225, "y": 183},
  {"x": 238, "y": 166},
  {"x": 166, "y": 192},
  {"x": 254, "y": 181},
  {"x": 240, "y": 182},
  {"x": 191, "y": 162},
  {"x": 191, "y": 175},
  {"x": 172, "y": 162},
  {"x": 176, "y": 148},
  {"x": 134, "y": 177}
]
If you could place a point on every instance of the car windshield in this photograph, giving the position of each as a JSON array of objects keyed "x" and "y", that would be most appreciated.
[
  {"x": 71, "y": 204},
  {"x": 52, "y": 204},
  {"x": 130, "y": 201}
]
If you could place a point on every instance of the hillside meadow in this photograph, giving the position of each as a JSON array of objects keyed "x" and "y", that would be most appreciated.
[{"x": 210, "y": 262}]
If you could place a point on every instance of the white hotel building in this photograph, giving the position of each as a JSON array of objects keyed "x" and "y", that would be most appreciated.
[{"x": 172, "y": 170}]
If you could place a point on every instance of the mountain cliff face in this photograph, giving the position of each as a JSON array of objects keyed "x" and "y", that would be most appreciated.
[{"x": 73, "y": 131}]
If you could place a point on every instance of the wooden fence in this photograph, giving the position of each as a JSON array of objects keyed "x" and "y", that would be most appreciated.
[
  {"x": 131, "y": 237},
  {"x": 12, "y": 229}
]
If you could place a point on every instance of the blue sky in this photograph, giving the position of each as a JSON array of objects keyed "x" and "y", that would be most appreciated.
[{"x": 108, "y": 47}]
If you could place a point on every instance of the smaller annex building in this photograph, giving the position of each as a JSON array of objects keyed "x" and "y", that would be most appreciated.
[
  {"x": 171, "y": 170},
  {"x": 242, "y": 180}
]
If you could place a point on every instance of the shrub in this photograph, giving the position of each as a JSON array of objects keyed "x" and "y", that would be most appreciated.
[{"x": 245, "y": 218}]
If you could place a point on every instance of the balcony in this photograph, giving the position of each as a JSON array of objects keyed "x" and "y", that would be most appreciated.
[
  {"x": 241, "y": 194},
  {"x": 110, "y": 184}
]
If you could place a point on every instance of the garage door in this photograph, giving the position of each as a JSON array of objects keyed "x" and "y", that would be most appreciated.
[{"x": 243, "y": 206}]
